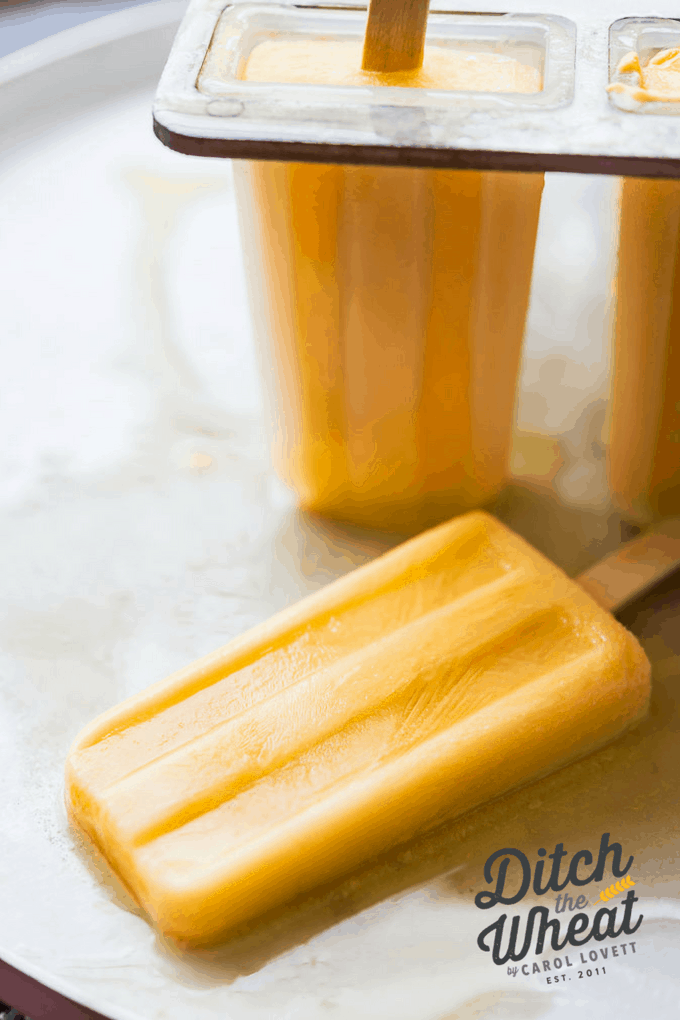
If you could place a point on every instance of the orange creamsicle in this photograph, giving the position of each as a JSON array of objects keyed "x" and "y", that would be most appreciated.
[
  {"x": 448, "y": 671},
  {"x": 390, "y": 302},
  {"x": 644, "y": 428}
]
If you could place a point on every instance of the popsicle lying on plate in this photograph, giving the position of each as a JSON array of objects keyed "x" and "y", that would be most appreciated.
[{"x": 448, "y": 671}]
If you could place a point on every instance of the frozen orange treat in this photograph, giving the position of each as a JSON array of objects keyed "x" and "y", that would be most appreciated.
[
  {"x": 644, "y": 432},
  {"x": 335, "y": 62},
  {"x": 657, "y": 81},
  {"x": 644, "y": 441},
  {"x": 448, "y": 671},
  {"x": 390, "y": 302}
]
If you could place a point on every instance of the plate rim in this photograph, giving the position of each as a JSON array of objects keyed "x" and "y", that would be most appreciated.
[{"x": 118, "y": 26}]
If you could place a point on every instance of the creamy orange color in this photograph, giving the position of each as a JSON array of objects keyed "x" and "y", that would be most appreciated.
[
  {"x": 339, "y": 63},
  {"x": 392, "y": 303},
  {"x": 644, "y": 439},
  {"x": 456, "y": 667},
  {"x": 658, "y": 78}
]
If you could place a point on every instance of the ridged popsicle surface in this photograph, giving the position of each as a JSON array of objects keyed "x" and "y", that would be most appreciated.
[{"x": 441, "y": 675}]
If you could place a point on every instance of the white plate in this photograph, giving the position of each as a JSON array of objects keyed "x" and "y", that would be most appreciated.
[{"x": 142, "y": 527}]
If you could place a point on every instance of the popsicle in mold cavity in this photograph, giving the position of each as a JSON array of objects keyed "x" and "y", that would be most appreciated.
[{"x": 444, "y": 673}]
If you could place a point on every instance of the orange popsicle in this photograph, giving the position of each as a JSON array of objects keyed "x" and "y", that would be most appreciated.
[
  {"x": 448, "y": 671},
  {"x": 644, "y": 440},
  {"x": 391, "y": 304}
]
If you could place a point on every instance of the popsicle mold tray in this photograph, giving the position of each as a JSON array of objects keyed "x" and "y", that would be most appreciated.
[{"x": 572, "y": 123}]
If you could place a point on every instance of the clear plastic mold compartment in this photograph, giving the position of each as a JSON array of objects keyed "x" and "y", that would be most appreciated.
[
  {"x": 646, "y": 37},
  {"x": 541, "y": 41}
]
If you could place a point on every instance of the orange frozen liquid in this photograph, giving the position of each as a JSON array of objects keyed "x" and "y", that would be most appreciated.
[
  {"x": 454, "y": 668},
  {"x": 644, "y": 441},
  {"x": 393, "y": 301}
]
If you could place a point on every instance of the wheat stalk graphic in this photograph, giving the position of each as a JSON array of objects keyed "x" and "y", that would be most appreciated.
[{"x": 614, "y": 890}]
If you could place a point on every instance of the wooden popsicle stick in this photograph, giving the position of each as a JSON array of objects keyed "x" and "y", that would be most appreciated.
[
  {"x": 634, "y": 568},
  {"x": 395, "y": 35}
]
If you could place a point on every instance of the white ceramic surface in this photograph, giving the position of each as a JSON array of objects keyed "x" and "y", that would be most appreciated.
[{"x": 142, "y": 526}]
